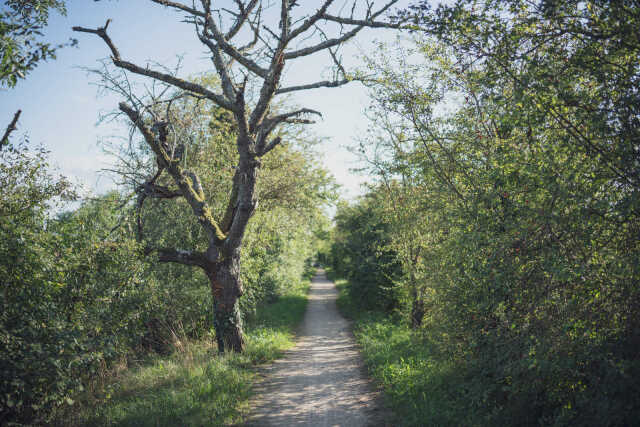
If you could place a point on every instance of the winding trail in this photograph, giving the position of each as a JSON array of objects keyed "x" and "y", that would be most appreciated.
[{"x": 321, "y": 381}]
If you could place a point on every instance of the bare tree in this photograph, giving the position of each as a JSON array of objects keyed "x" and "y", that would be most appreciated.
[{"x": 259, "y": 62}]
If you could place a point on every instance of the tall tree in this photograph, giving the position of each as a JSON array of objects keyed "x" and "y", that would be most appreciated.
[{"x": 270, "y": 44}]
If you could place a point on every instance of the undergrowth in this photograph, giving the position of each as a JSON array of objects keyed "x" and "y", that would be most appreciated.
[{"x": 194, "y": 386}]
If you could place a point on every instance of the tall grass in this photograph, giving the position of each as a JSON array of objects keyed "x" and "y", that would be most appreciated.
[
  {"x": 194, "y": 386},
  {"x": 420, "y": 383}
]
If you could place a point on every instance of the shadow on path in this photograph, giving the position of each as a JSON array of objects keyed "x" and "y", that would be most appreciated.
[{"x": 320, "y": 382}]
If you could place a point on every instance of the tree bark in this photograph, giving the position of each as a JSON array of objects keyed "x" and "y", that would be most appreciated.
[
  {"x": 417, "y": 303},
  {"x": 224, "y": 276},
  {"x": 417, "y": 312},
  {"x": 226, "y": 288}
]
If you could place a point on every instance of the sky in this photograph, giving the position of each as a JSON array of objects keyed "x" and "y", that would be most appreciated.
[{"x": 61, "y": 103}]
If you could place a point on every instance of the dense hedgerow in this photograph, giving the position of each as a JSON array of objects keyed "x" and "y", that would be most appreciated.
[
  {"x": 191, "y": 385},
  {"x": 508, "y": 189}
]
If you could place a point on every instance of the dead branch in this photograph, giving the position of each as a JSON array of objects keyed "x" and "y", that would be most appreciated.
[
  {"x": 12, "y": 127},
  {"x": 316, "y": 85},
  {"x": 241, "y": 19},
  {"x": 167, "y": 78},
  {"x": 179, "y": 6},
  {"x": 186, "y": 181}
]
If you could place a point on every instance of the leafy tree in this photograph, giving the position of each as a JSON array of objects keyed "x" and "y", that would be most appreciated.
[
  {"x": 360, "y": 252},
  {"x": 21, "y": 47},
  {"x": 261, "y": 63},
  {"x": 575, "y": 63},
  {"x": 516, "y": 151}
]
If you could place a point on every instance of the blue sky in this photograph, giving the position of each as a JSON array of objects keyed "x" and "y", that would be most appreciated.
[{"x": 61, "y": 104}]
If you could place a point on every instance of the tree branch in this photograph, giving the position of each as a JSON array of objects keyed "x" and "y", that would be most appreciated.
[
  {"x": 102, "y": 33},
  {"x": 366, "y": 23},
  {"x": 271, "y": 145},
  {"x": 269, "y": 124},
  {"x": 167, "y": 78},
  {"x": 230, "y": 50},
  {"x": 362, "y": 23},
  {"x": 180, "y": 6},
  {"x": 153, "y": 190},
  {"x": 156, "y": 191},
  {"x": 309, "y": 22},
  {"x": 232, "y": 205},
  {"x": 222, "y": 68},
  {"x": 12, "y": 127},
  {"x": 181, "y": 256},
  {"x": 272, "y": 122},
  {"x": 316, "y": 85},
  {"x": 323, "y": 45},
  {"x": 187, "y": 182},
  {"x": 244, "y": 14}
]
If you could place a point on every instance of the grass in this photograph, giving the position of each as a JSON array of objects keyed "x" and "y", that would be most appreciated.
[
  {"x": 418, "y": 381},
  {"x": 194, "y": 386}
]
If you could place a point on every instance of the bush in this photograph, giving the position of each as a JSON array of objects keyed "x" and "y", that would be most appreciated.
[{"x": 359, "y": 253}]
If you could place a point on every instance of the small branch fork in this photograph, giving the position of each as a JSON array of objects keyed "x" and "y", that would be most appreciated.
[{"x": 235, "y": 64}]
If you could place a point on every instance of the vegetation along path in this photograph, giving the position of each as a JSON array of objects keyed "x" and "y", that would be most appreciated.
[{"x": 321, "y": 382}]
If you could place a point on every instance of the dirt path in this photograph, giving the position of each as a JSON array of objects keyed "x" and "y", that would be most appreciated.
[{"x": 320, "y": 382}]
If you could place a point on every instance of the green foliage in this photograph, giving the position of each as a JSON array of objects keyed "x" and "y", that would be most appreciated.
[
  {"x": 66, "y": 309},
  {"x": 359, "y": 253},
  {"x": 507, "y": 162},
  {"x": 29, "y": 330},
  {"x": 194, "y": 386},
  {"x": 421, "y": 383},
  {"x": 80, "y": 297},
  {"x": 58, "y": 280},
  {"x": 21, "y": 45}
]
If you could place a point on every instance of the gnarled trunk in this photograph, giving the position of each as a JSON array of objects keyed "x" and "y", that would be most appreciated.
[{"x": 226, "y": 288}]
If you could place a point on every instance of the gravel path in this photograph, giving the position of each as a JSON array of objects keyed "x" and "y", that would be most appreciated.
[{"x": 320, "y": 382}]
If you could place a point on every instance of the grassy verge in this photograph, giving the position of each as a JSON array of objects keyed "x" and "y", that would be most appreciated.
[
  {"x": 419, "y": 382},
  {"x": 194, "y": 386}
]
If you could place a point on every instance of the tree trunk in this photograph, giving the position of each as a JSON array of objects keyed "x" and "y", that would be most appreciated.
[
  {"x": 417, "y": 312},
  {"x": 226, "y": 288},
  {"x": 417, "y": 304}
]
